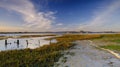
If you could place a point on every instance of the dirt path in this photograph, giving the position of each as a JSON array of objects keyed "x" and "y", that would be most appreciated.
[{"x": 85, "y": 55}]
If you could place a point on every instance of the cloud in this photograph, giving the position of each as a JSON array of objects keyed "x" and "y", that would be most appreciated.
[
  {"x": 32, "y": 18},
  {"x": 59, "y": 24},
  {"x": 65, "y": 27},
  {"x": 102, "y": 17}
]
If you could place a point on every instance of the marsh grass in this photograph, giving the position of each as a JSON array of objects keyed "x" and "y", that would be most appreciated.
[
  {"x": 69, "y": 38},
  {"x": 116, "y": 40},
  {"x": 40, "y": 57},
  {"x": 29, "y": 36},
  {"x": 109, "y": 41},
  {"x": 112, "y": 47},
  {"x": 3, "y": 37},
  {"x": 44, "y": 56}
]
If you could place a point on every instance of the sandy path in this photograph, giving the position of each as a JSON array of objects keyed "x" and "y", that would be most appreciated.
[{"x": 85, "y": 55}]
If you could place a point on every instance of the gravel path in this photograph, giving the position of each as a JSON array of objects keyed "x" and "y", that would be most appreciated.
[{"x": 85, "y": 55}]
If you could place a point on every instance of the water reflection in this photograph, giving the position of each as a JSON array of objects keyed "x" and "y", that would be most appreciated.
[{"x": 11, "y": 43}]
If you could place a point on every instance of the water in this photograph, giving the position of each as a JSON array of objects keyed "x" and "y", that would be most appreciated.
[
  {"x": 20, "y": 34},
  {"x": 23, "y": 43},
  {"x": 24, "y": 34}
]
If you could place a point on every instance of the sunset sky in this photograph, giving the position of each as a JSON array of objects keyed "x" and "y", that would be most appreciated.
[{"x": 59, "y": 15}]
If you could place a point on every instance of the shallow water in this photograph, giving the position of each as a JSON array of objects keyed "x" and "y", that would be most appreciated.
[{"x": 33, "y": 43}]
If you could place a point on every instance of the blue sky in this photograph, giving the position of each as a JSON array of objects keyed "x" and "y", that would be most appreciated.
[{"x": 59, "y": 15}]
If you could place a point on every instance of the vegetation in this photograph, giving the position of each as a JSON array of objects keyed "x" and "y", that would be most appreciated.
[
  {"x": 28, "y": 36},
  {"x": 109, "y": 41},
  {"x": 112, "y": 47},
  {"x": 3, "y": 37},
  {"x": 44, "y": 56},
  {"x": 41, "y": 57},
  {"x": 69, "y": 38},
  {"x": 108, "y": 37},
  {"x": 116, "y": 40},
  {"x": 47, "y": 55}
]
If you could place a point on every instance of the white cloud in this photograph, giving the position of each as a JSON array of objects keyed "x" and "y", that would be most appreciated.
[
  {"x": 59, "y": 24},
  {"x": 101, "y": 18},
  {"x": 38, "y": 20}
]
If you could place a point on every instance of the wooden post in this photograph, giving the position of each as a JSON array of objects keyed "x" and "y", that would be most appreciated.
[
  {"x": 6, "y": 43},
  {"x": 50, "y": 41},
  {"x": 18, "y": 43},
  {"x": 27, "y": 43},
  {"x": 39, "y": 42}
]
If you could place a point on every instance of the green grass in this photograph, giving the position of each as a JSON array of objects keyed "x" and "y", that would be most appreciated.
[
  {"x": 111, "y": 41},
  {"x": 111, "y": 38},
  {"x": 112, "y": 47},
  {"x": 116, "y": 40}
]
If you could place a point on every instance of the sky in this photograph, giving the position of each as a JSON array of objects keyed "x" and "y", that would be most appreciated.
[{"x": 59, "y": 15}]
